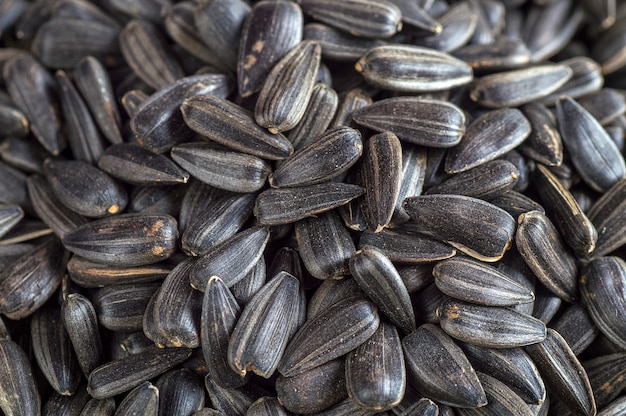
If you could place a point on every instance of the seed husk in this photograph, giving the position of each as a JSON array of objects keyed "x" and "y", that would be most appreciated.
[
  {"x": 476, "y": 282},
  {"x": 232, "y": 126},
  {"x": 181, "y": 392},
  {"x": 53, "y": 351},
  {"x": 246, "y": 288},
  {"x": 471, "y": 225},
  {"x": 18, "y": 392},
  {"x": 328, "y": 156},
  {"x": 489, "y": 326},
  {"x": 101, "y": 100},
  {"x": 350, "y": 102},
  {"x": 219, "y": 25},
  {"x": 366, "y": 18},
  {"x": 511, "y": 366},
  {"x": 124, "y": 374},
  {"x": 10, "y": 215},
  {"x": 266, "y": 406},
  {"x": 520, "y": 86},
  {"x": 408, "y": 68},
  {"x": 515, "y": 203},
  {"x": 32, "y": 89},
  {"x": 606, "y": 376},
  {"x": 144, "y": 49},
  {"x": 577, "y": 230},
  {"x": 338, "y": 45},
  {"x": 576, "y": 327},
  {"x": 440, "y": 369},
  {"x": 220, "y": 313},
  {"x": 372, "y": 383},
  {"x": 421, "y": 121},
  {"x": 406, "y": 247},
  {"x": 265, "y": 326},
  {"x": 125, "y": 240},
  {"x": 325, "y": 245},
  {"x": 270, "y": 30},
  {"x": 586, "y": 79},
  {"x": 317, "y": 116},
  {"x": 287, "y": 88},
  {"x": 81, "y": 323},
  {"x": 601, "y": 287},
  {"x": 501, "y": 54},
  {"x": 501, "y": 400},
  {"x": 287, "y": 205},
  {"x": 458, "y": 24},
  {"x": 543, "y": 250},
  {"x": 488, "y": 137},
  {"x": 13, "y": 122},
  {"x": 380, "y": 281},
  {"x": 121, "y": 307},
  {"x": 230, "y": 402},
  {"x": 25, "y": 155},
  {"x": 354, "y": 320},
  {"x": 32, "y": 279},
  {"x": 564, "y": 376},
  {"x": 595, "y": 156},
  {"x": 604, "y": 105},
  {"x": 232, "y": 259},
  {"x": 544, "y": 143}
]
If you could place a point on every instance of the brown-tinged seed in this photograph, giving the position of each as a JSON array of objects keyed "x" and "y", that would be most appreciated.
[
  {"x": 287, "y": 88},
  {"x": 125, "y": 240},
  {"x": 489, "y": 326},
  {"x": 270, "y": 30},
  {"x": 563, "y": 374},
  {"x": 440, "y": 369},
  {"x": 606, "y": 376},
  {"x": 421, "y": 121}
]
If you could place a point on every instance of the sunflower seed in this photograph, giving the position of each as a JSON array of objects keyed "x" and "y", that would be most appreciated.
[
  {"x": 593, "y": 153},
  {"x": 121, "y": 307},
  {"x": 53, "y": 351},
  {"x": 461, "y": 212},
  {"x": 364, "y": 18},
  {"x": 408, "y": 68},
  {"x": 482, "y": 325},
  {"x": 379, "y": 279},
  {"x": 181, "y": 392},
  {"x": 132, "y": 100},
  {"x": 415, "y": 120},
  {"x": 10, "y": 215},
  {"x": 145, "y": 51},
  {"x": 544, "y": 142},
  {"x": 122, "y": 375},
  {"x": 587, "y": 78},
  {"x": 287, "y": 205},
  {"x": 32, "y": 279},
  {"x": 501, "y": 400},
  {"x": 440, "y": 369},
  {"x": 66, "y": 405},
  {"x": 372, "y": 383},
  {"x": 576, "y": 327},
  {"x": 350, "y": 102},
  {"x": 515, "y": 203},
  {"x": 328, "y": 156},
  {"x": 354, "y": 320},
  {"x": 604, "y": 105},
  {"x": 156, "y": 200},
  {"x": 18, "y": 392},
  {"x": 406, "y": 247},
  {"x": 287, "y": 88},
  {"x": 230, "y": 402},
  {"x": 125, "y": 240},
  {"x": 564, "y": 376},
  {"x": 545, "y": 254},
  {"x": 27, "y": 156},
  {"x": 232, "y": 126},
  {"x": 13, "y": 122},
  {"x": 265, "y": 326},
  {"x": 317, "y": 116},
  {"x": 606, "y": 376},
  {"x": 458, "y": 25},
  {"x": 247, "y": 287},
  {"x": 338, "y": 45},
  {"x": 488, "y": 137},
  {"x": 501, "y": 54},
  {"x": 609, "y": 48}
]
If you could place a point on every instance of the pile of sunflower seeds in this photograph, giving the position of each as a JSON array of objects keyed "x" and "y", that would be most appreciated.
[{"x": 330, "y": 207}]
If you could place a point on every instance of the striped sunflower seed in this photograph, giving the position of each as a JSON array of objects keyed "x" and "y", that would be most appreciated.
[
  {"x": 471, "y": 225},
  {"x": 488, "y": 137},
  {"x": 10, "y": 215},
  {"x": 415, "y": 17},
  {"x": 408, "y": 68},
  {"x": 501, "y": 54},
  {"x": 606, "y": 376},
  {"x": 543, "y": 250},
  {"x": 143, "y": 400},
  {"x": 121, "y": 307},
  {"x": 366, "y": 18},
  {"x": 458, "y": 24},
  {"x": 13, "y": 122},
  {"x": 544, "y": 143},
  {"x": 476, "y": 282},
  {"x": 372, "y": 384},
  {"x": 440, "y": 369},
  {"x": 405, "y": 246},
  {"x": 287, "y": 88},
  {"x": 380, "y": 281},
  {"x": 586, "y": 79},
  {"x": 233, "y": 402},
  {"x": 25, "y": 155},
  {"x": 181, "y": 392},
  {"x": 317, "y": 117},
  {"x": 19, "y": 394},
  {"x": 563, "y": 374},
  {"x": 338, "y": 45},
  {"x": 125, "y": 240},
  {"x": 350, "y": 102},
  {"x": 270, "y": 30},
  {"x": 232, "y": 126},
  {"x": 576, "y": 327},
  {"x": 501, "y": 400},
  {"x": 483, "y": 325},
  {"x": 604, "y": 105},
  {"x": 606, "y": 215},
  {"x": 415, "y": 120}
]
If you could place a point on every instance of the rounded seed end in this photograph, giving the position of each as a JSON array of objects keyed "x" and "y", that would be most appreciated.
[{"x": 113, "y": 209}]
